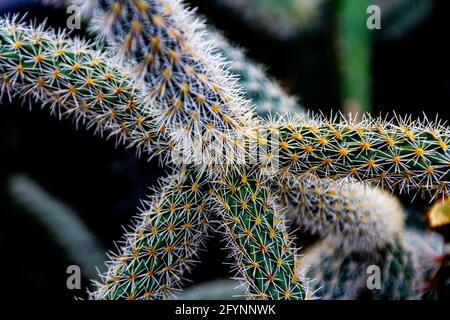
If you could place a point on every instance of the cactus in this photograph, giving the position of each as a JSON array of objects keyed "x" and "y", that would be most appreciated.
[
  {"x": 49, "y": 68},
  {"x": 257, "y": 234},
  {"x": 408, "y": 153},
  {"x": 149, "y": 114},
  {"x": 361, "y": 237},
  {"x": 56, "y": 60},
  {"x": 370, "y": 132},
  {"x": 340, "y": 264},
  {"x": 190, "y": 106},
  {"x": 72, "y": 80}
]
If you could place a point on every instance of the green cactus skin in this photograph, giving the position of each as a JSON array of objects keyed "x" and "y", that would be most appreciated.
[
  {"x": 256, "y": 232},
  {"x": 342, "y": 275},
  {"x": 162, "y": 246},
  {"x": 403, "y": 154}
]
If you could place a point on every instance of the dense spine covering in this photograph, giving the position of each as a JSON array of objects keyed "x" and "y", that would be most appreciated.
[
  {"x": 162, "y": 246},
  {"x": 372, "y": 249},
  {"x": 192, "y": 93},
  {"x": 327, "y": 148},
  {"x": 182, "y": 76},
  {"x": 73, "y": 80},
  {"x": 360, "y": 216},
  {"x": 100, "y": 109},
  {"x": 256, "y": 230},
  {"x": 410, "y": 155}
]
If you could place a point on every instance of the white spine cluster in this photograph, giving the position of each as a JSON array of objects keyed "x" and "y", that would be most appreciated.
[
  {"x": 360, "y": 217},
  {"x": 194, "y": 95}
]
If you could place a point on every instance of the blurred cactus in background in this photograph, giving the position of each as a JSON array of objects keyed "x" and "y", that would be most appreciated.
[
  {"x": 157, "y": 80},
  {"x": 62, "y": 222},
  {"x": 284, "y": 18},
  {"x": 213, "y": 290}
]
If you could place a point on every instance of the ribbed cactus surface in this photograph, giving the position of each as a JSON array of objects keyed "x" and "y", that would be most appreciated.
[
  {"x": 161, "y": 247},
  {"x": 256, "y": 232}
]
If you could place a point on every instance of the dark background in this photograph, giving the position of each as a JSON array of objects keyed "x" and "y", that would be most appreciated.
[{"x": 411, "y": 74}]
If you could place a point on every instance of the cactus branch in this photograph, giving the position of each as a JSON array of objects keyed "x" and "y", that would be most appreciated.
[{"x": 161, "y": 247}]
